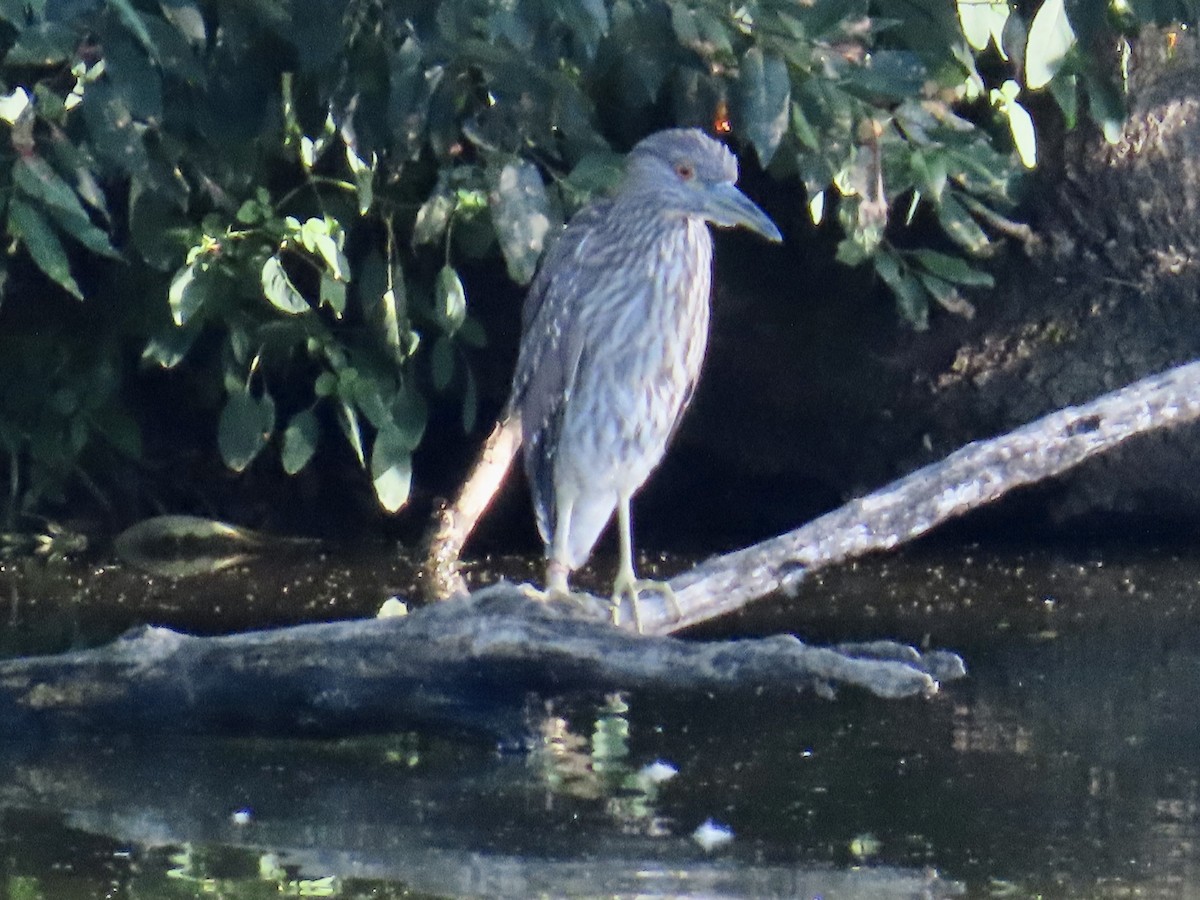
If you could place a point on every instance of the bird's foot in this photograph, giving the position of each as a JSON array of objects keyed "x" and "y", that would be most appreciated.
[
  {"x": 628, "y": 586},
  {"x": 580, "y": 601}
]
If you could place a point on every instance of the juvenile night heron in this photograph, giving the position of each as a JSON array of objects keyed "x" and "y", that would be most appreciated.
[{"x": 613, "y": 336}]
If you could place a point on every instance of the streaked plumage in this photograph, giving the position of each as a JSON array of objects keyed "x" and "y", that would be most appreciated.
[{"x": 614, "y": 332}]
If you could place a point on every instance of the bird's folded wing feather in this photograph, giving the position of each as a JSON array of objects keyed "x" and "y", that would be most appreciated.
[{"x": 552, "y": 345}]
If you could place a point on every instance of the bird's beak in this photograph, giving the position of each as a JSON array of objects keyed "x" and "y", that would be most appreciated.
[{"x": 730, "y": 208}]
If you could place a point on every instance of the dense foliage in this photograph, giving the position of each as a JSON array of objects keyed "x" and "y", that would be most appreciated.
[{"x": 275, "y": 194}]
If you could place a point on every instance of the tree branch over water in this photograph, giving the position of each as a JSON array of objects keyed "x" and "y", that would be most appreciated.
[{"x": 969, "y": 478}]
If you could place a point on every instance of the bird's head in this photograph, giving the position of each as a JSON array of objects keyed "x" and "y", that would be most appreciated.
[{"x": 683, "y": 170}]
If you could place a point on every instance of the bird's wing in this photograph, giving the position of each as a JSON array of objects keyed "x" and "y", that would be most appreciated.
[{"x": 551, "y": 348}]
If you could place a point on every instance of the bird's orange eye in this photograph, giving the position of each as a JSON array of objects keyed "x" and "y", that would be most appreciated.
[{"x": 685, "y": 171}]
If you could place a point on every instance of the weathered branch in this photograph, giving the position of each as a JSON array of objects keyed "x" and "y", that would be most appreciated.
[
  {"x": 466, "y": 664},
  {"x": 969, "y": 478},
  {"x": 453, "y": 523}
]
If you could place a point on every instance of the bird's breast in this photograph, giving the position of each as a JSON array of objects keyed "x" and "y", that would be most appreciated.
[{"x": 643, "y": 350}]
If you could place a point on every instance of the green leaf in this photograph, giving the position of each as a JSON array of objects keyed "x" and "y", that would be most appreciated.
[
  {"x": 890, "y": 74},
  {"x": 963, "y": 229},
  {"x": 1024, "y": 138},
  {"x": 333, "y": 294},
  {"x": 410, "y": 413},
  {"x": 245, "y": 427},
  {"x": 299, "y": 441},
  {"x": 765, "y": 92},
  {"x": 320, "y": 236},
  {"x": 133, "y": 21},
  {"x": 364, "y": 178},
  {"x": 433, "y": 218},
  {"x": 35, "y": 178},
  {"x": 521, "y": 215},
  {"x": 188, "y": 291},
  {"x": 954, "y": 269},
  {"x": 1050, "y": 39},
  {"x": 470, "y": 401},
  {"x": 13, "y": 106},
  {"x": 442, "y": 363},
  {"x": 120, "y": 429},
  {"x": 32, "y": 228},
  {"x": 169, "y": 347},
  {"x": 911, "y": 299},
  {"x": 348, "y": 420},
  {"x": 391, "y": 469},
  {"x": 187, "y": 19},
  {"x": 983, "y": 21},
  {"x": 278, "y": 288},
  {"x": 450, "y": 300},
  {"x": 929, "y": 171},
  {"x": 43, "y": 45},
  {"x": 947, "y": 295}
]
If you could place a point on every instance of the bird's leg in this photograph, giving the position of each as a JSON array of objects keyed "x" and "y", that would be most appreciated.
[
  {"x": 557, "y": 569},
  {"x": 627, "y": 583},
  {"x": 556, "y": 578}
]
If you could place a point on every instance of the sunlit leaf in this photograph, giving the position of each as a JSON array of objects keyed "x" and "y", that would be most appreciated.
[
  {"x": 14, "y": 105},
  {"x": 983, "y": 21},
  {"x": 450, "y": 300},
  {"x": 244, "y": 428},
  {"x": 364, "y": 179},
  {"x": 187, "y": 19},
  {"x": 765, "y": 101},
  {"x": 521, "y": 214},
  {"x": 318, "y": 236},
  {"x": 1024, "y": 137},
  {"x": 348, "y": 420},
  {"x": 1050, "y": 39},
  {"x": 299, "y": 441},
  {"x": 280, "y": 290},
  {"x": 32, "y": 228},
  {"x": 433, "y": 218},
  {"x": 185, "y": 295},
  {"x": 391, "y": 469}
]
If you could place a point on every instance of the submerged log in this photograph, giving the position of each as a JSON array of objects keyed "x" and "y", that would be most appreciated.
[{"x": 466, "y": 665}]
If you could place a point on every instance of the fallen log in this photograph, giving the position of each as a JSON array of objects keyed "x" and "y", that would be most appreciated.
[{"x": 465, "y": 665}]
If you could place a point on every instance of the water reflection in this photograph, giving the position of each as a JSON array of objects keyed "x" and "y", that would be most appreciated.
[{"x": 1066, "y": 765}]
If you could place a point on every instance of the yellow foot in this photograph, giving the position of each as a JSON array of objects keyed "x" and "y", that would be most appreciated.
[
  {"x": 581, "y": 600},
  {"x": 628, "y": 586}
]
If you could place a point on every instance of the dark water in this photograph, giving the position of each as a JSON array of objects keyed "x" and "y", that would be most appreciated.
[{"x": 1066, "y": 765}]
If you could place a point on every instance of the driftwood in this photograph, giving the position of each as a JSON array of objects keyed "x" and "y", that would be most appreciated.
[
  {"x": 969, "y": 478},
  {"x": 465, "y": 665}
]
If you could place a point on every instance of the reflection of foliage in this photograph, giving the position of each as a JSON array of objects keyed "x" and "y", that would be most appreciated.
[
  {"x": 228, "y": 871},
  {"x": 600, "y": 768},
  {"x": 294, "y": 183}
]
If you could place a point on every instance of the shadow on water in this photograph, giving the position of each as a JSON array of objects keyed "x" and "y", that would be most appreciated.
[{"x": 1066, "y": 765}]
